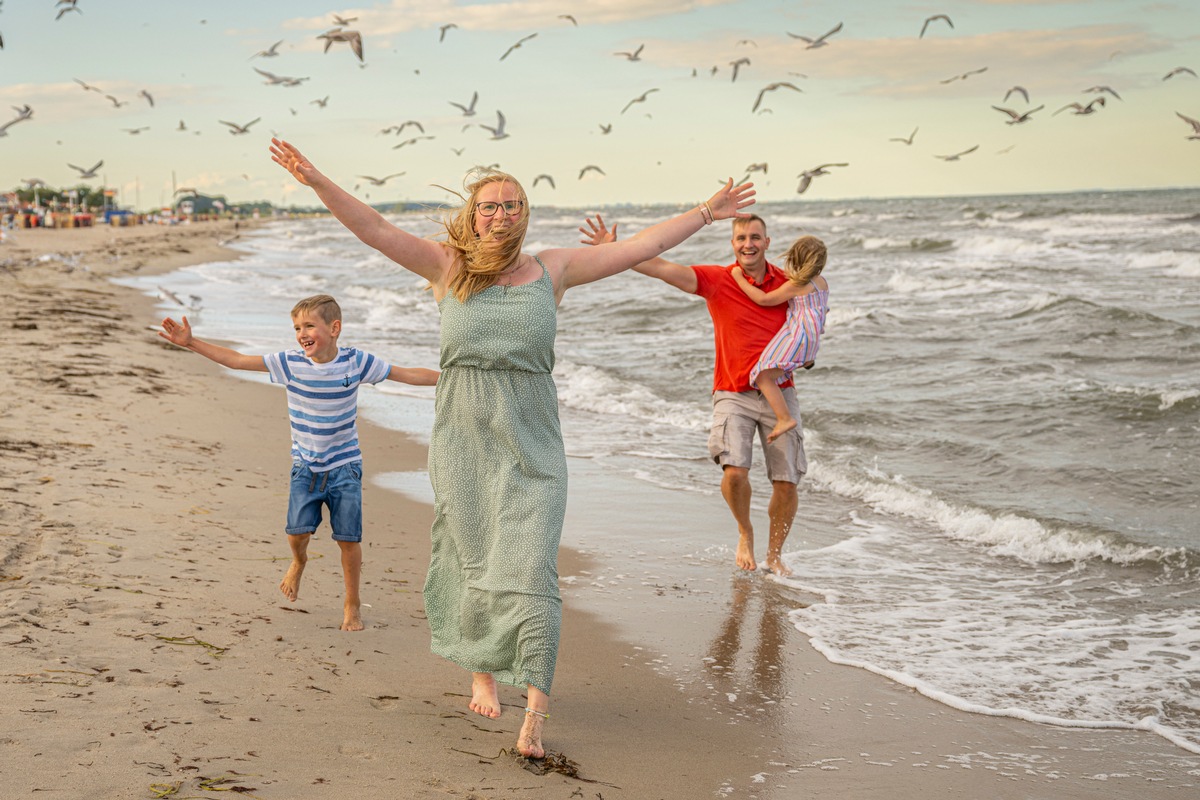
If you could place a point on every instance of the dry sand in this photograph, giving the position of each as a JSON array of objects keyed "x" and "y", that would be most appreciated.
[{"x": 147, "y": 652}]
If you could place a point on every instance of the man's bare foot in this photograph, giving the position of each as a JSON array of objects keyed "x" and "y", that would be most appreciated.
[
  {"x": 745, "y": 553},
  {"x": 781, "y": 427},
  {"x": 529, "y": 741},
  {"x": 485, "y": 700},
  {"x": 290, "y": 585},
  {"x": 352, "y": 619},
  {"x": 776, "y": 565}
]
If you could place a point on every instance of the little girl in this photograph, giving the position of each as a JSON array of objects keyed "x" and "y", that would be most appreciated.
[{"x": 797, "y": 341}]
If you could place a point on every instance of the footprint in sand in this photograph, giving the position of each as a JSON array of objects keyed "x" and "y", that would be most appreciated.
[
  {"x": 356, "y": 752},
  {"x": 385, "y": 702}
]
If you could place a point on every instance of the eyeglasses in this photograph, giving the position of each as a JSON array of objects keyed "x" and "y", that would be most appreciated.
[{"x": 511, "y": 208}]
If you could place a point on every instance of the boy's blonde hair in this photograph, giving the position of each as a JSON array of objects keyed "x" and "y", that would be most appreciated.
[
  {"x": 323, "y": 305},
  {"x": 804, "y": 260},
  {"x": 483, "y": 259}
]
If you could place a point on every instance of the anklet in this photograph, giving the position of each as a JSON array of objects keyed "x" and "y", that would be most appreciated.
[{"x": 541, "y": 714}]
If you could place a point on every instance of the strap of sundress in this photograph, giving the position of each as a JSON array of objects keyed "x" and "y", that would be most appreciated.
[{"x": 544, "y": 270}]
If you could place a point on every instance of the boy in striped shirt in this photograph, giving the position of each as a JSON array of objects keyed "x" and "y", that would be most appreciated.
[{"x": 322, "y": 381}]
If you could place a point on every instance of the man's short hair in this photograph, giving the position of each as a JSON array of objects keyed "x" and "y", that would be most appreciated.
[
  {"x": 741, "y": 222},
  {"x": 323, "y": 305}
]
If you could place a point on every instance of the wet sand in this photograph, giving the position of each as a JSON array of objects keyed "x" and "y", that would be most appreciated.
[{"x": 147, "y": 648}]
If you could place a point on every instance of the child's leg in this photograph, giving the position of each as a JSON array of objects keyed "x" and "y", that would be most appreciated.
[
  {"x": 351, "y": 572},
  {"x": 290, "y": 585},
  {"x": 774, "y": 397}
]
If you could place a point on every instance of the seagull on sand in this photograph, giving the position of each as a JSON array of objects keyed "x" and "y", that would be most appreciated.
[
  {"x": 270, "y": 52},
  {"x": 932, "y": 19},
  {"x": 520, "y": 42},
  {"x": 144, "y": 94},
  {"x": 1017, "y": 118},
  {"x": 237, "y": 130},
  {"x": 543, "y": 177},
  {"x": 965, "y": 75},
  {"x": 819, "y": 41},
  {"x": 772, "y": 87},
  {"x": 353, "y": 38},
  {"x": 1017, "y": 89},
  {"x": 381, "y": 181},
  {"x": 909, "y": 140},
  {"x": 636, "y": 55},
  {"x": 87, "y": 174},
  {"x": 736, "y": 65},
  {"x": 808, "y": 174},
  {"x": 468, "y": 111},
  {"x": 957, "y": 156},
  {"x": 498, "y": 131},
  {"x": 1102, "y": 90},
  {"x": 590, "y": 168},
  {"x": 443, "y": 29},
  {"x": 1194, "y": 123},
  {"x": 1080, "y": 110},
  {"x": 1179, "y": 71},
  {"x": 640, "y": 99}
]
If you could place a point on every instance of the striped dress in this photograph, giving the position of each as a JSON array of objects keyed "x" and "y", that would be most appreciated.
[
  {"x": 797, "y": 341},
  {"x": 323, "y": 403}
]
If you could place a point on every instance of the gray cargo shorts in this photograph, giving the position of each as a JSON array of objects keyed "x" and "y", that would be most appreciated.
[{"x": 737, "y": 416}]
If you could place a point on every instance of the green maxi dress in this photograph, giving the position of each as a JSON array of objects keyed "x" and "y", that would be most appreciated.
[{"x": 499, "y": 476}]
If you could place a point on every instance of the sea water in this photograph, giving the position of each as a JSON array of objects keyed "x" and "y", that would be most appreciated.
[{"x": 1003, "y": 426}]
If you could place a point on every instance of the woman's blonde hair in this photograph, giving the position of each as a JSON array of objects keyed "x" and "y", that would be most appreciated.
[
  {"x": 805, "y": 259},
  {"x": 482, "y": 259}
]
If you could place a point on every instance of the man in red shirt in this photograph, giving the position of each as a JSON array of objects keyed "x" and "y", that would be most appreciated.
[{"x": 741, "y": 329}]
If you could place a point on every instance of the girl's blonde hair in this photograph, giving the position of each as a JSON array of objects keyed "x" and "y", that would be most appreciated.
[
  {"x": 482, "y": 259},
  {"x": 805, "y": 259}
]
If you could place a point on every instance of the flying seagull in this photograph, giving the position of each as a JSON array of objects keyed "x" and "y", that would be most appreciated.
[
  {"x": 413, "y": 140},
  {"x": 543, "y": 177},
  {"x": 135, "y": 131},
  {"x": 909, "y": 140},
  {"x": 86, "y": 174},
  {"x": 736, "y": 65},
  {"x": 1019, "y": 90},
  {"x": 342, "y": 22},
  {"x": 819, "y": 41},
  {"x": 1017, "y": 118},
  {"x": 498, "y": 131},
  {"x": 1081, "y": 110},
  {"x": 468, "y": 111},
  {"x": 143, "y": 93},
  {"x": 237, "y": 130},
  {"x": 1102, "y": 90},
  {"x": 116, "y": 103},
  {"x": 353, "y": 38},
  {"x": 4, "y": 128},
  {"x": 443, "y": 29},
  {"x": 1194, "y": 123},
  {"x": 957, "y": 156},
  {"x": 1179, "y": 71},
  {"x": 808, "y": 174},
  {"x": 381, "y": 181},
  {"x": 932, "y": 19},
  {"x": 320, "y": 102},
  {"x": 965, "y": 75},
  {"x": 520, "y": 42},
  {"x": 270, "y": 52},
  {"x": 770, "y": 88},
  {"x": 88, "y": 88},
  {"x": 640, "y": 99},
  {"x": 590, "y": 168},
  {"x": 273, "y": 80},
  {"x": 62, "y": 11},
  {"x": 636, "y": 55},
  {"x": 605, "y": 129}
]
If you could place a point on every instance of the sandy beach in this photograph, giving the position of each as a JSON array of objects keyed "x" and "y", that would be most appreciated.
[{"x": 147, "y": 651}]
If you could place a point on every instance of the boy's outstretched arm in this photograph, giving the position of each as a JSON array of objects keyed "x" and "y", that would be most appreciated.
[
  {"x": 180, "y": 334},
  {"x": 416, "y": 376}
]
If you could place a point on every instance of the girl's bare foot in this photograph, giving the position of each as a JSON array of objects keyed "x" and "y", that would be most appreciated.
[
  {"x": 290, "y": 585},
  {"x": 745, "y": 552},
  {"x": 781, "y": 427},
  {"x": 485, "y": 700},
  {"x": 529, "y": 741}
]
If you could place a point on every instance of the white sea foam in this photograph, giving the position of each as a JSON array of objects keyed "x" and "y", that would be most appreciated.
[
  {"x": 1170, "y": 262},
  {"x": 590, "y": 388}
]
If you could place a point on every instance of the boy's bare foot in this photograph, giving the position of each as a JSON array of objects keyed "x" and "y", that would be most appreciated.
[
  {"x": 290, "y": 585},
  {"x": 776, "y": 565},
  {"x": 485, "y": 700},
  {"x": 781, "y": 427},
  {"x": 352, "y": 619},
  {"x": 529, "y": 740},
  {"x": 745, "y": 552}
]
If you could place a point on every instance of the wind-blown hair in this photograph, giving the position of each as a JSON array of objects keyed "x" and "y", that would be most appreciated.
[
  {"x": 805, "y": 259},
  {"x": 481, "y": 259}
]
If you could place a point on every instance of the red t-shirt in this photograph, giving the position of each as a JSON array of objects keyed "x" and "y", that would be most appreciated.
[{"x": 741, "y": 327}]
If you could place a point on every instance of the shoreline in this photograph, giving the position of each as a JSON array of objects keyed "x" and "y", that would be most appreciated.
[{"x": 144, "y": 496}]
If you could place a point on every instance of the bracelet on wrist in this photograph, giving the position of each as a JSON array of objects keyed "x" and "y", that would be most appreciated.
[{"x": 705, "y": 213}]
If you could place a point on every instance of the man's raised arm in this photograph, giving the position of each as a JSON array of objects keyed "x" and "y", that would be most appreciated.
[{"x": 677, "y": 275}]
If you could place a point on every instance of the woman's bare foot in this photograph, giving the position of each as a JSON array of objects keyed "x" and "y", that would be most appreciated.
[
  {"x": 352, "y": 619},
  {"x": 290, "y": 585},
  {"x": 485, "y": 699},
  {"x": 781, "y": 427},
  {"x": 529, "y": 741},
  {"x": 745, "y": 552}
]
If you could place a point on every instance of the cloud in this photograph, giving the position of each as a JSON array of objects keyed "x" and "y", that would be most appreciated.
[{"x": 406, "y": 15}]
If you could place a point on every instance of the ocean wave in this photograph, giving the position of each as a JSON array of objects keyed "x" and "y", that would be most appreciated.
[
  {"x": 917, "y": 244},
  {"x": 1161, "y": 398},
  {"x": 588, "y": 388},
  {"x": 1185, "y": 264}
]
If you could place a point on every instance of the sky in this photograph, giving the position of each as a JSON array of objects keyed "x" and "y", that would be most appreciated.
[{"x": 874, "y": 81}]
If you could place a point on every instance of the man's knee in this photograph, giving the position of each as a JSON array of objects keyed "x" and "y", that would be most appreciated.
[{"x": 736, "y": 476}]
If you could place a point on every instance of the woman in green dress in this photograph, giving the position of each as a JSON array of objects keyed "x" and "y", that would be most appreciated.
[{"x": 496, "y": 458}]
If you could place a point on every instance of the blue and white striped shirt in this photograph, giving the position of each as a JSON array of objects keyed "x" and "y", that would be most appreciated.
[{"x": 323, "y": 403}]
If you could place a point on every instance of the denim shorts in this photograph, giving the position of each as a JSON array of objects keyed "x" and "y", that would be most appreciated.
[
  {"x": 340, "y": 489},
  {"x": 738, "y": 416}
]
